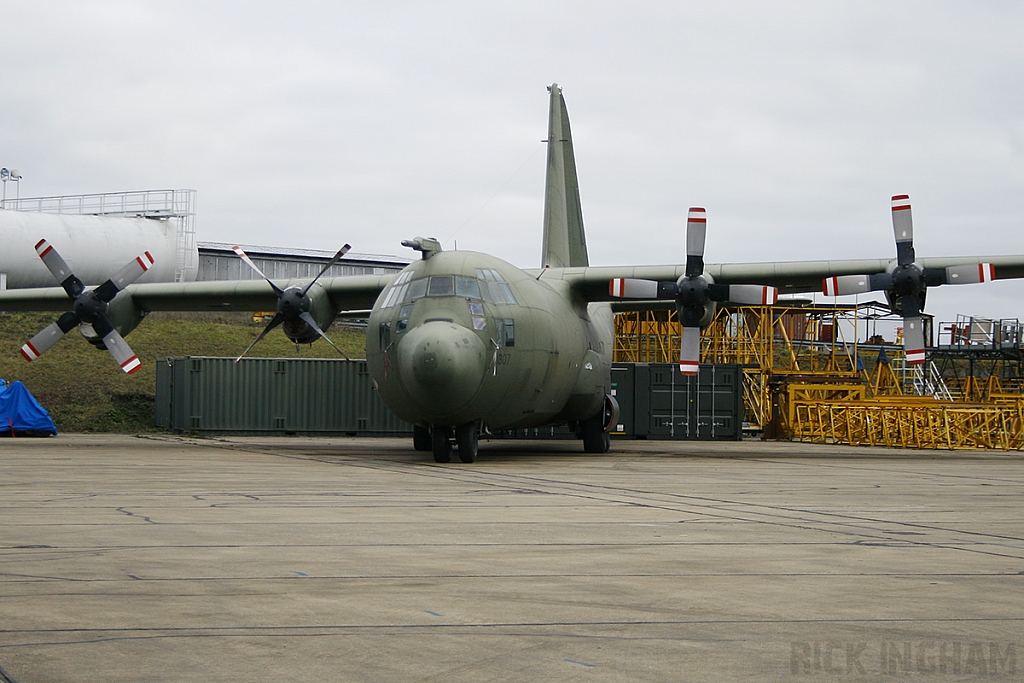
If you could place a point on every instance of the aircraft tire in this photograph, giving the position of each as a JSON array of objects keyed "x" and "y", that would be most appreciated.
[
  {"x": 421, "y": 439},
  {"x": 595, "y": 438},
  {"x": 442, "y": 444},
  {"x": 467, "y": 438}
]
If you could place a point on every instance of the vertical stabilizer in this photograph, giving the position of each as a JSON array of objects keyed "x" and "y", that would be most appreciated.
[{"x": 564, "y": 242}]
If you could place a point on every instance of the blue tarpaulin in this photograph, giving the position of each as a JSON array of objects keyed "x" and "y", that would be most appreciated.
[{"x": 21, "y": 414}]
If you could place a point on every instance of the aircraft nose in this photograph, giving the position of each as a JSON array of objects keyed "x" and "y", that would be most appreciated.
[{"x": 442, "y": 366}]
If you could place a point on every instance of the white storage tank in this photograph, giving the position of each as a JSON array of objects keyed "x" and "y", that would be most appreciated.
[{"x": 95, "y": 247}]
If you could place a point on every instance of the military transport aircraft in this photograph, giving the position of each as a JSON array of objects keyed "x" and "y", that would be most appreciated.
[{"x": 462, "y": 343}]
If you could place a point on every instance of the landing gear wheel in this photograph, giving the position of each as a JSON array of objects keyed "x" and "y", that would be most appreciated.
[
  {"x": 595, "y": 438},
  {"x": 421, "y": 440},
  {"x": 467, "y": 439},
  {"x": 442, "y": 443}
]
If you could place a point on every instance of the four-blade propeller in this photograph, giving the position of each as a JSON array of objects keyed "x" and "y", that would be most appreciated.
[
  {"x": 293, "y": 305},
  {"x": 90, "y": 308},
  {"x": 905, "y": 286},
  {"x": 692, "y": 292}
]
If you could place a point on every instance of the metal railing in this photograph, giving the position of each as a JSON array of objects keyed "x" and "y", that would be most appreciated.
[{"x": 981, "y": 333}]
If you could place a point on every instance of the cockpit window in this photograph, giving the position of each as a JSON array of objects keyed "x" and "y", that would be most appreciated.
[
  {"x": 504, "y": 332},
  {"x": 417, "y": 289},
  {"x": 441, "y": 285},
  {"x": 394, "y": 295},
  {"x": 467, "y": 286},
  {"x": 502, "y": 293},
  {"x": 489, "y": 274},
  {"x": 491, "y": 288}
]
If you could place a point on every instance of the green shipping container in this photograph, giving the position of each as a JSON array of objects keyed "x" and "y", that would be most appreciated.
[
  {"x": 658, "y": 402},
  {"x": 271, "y": 396}
]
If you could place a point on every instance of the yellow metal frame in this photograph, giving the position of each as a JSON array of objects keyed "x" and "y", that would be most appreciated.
[
  {"x": 819, "y": 393},
  {"x": 916, "y": 424}
]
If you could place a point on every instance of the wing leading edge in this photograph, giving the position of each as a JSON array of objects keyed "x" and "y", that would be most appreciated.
[
  {"x": 790, "y": 277},
  {"x": 351, "y": 292}
]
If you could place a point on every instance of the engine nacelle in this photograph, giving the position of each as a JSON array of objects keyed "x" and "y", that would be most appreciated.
[{"x": 317, "y": 304}]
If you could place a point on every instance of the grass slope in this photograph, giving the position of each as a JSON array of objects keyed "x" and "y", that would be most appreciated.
[{"x": 85, "y": 391}]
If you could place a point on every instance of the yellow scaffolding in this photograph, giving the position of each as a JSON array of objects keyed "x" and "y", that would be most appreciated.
[
  {"x": 921, "y": 423},
  {"x": 771, "y": 343},
  {"x": 647, "y": 337},
  {"x": 801, "y": 380}
]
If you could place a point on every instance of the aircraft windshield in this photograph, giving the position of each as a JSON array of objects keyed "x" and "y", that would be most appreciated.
[
  {"x": 488, "y": 285},
  {"x": 441, "y": 285}
]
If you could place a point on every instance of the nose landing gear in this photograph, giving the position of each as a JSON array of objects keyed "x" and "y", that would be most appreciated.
[{"x": 466, "y": 439}]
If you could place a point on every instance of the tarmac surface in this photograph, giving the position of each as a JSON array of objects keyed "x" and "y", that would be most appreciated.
[{"x": 292, "y": 559}]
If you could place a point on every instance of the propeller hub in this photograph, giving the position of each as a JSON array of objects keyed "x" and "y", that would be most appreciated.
[
  {"x": 907, "y": 280},
  {"x": 692, "y": 291},
  {"x": 293, "y": 303},
  {"x": 89, "y": 308}
]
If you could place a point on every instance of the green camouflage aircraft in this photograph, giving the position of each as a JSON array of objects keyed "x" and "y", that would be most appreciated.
[{"x": 462, "y": 343}]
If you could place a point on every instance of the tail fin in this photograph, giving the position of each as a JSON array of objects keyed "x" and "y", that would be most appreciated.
[{"x": 564, "y": 241}]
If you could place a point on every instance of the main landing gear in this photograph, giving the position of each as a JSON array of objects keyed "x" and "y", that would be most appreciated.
[
  {"x": 441, "y": 440},
  {"x": 595, "y": 429}
]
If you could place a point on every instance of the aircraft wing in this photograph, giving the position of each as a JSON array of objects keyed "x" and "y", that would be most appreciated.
[
  {"x": 351, "y": 292},
  {"x": 788, "y": 276}
]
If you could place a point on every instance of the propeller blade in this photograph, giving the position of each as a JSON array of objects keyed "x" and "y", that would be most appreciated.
[
  {"x": 633, "y": 288},
  {"x": 846, "y": 284},
  {"x": 133, "y": 270},
  {"x": 689, "y": 351},
  {"x": 337, "y": 257},
  {"x": 970, "y": 274},
  {"x": 124, "y": 277},
  {"x": 843, "y": 285},
  {"x": 903, "y": 229},
  {"x": 913, "y": 329},
  {"x": 308, "y": 319},
  {"x": 58, "y": 267},
  {"x": 48, "y": 336},
  {"x": 121, "y": 352},
  {"x": 696, "y": 231},
  {"x": 244, "y": 257},
  {"x": 755, "y": 295},
  {"x": 913, "y": 340},
  {"x": 275, "y": 321}
]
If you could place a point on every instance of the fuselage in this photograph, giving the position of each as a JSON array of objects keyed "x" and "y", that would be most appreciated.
[{"x": 464, "y": 337}]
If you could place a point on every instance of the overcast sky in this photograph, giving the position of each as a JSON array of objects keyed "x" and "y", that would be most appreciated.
[{"x": 312, "y": 124}]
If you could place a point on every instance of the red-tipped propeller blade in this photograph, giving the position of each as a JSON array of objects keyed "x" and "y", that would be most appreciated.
[
  {"x": 242, "y": 255},
  {"x": 48, "y": 336},
  {"x": 689, "y": 351},
  {"x": 754, "y": 295},
  {"x": 59, "y": 268},
  {"x": 913, "y": 340},
  {"x": 903, "y": 229},
  {"x": 121, "y": 352},
  {"x": 970, "y": 274},
  {"x": 696, "y": 231},
  {"x": 846, "y": 284},
  {"x": 633, "y": 288}
]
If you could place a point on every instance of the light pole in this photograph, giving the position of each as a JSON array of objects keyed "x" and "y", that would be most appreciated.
[{"x": 13, "y": 175}]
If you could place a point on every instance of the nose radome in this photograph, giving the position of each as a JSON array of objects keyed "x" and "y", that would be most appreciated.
[{"x": 442, "y": 365}]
